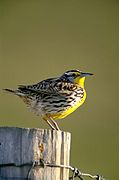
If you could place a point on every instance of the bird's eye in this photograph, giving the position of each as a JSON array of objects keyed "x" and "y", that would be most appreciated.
[{"x": 74, "y": 75}]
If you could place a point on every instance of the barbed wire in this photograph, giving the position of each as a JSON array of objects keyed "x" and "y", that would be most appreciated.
[{"x": 76, "y": 173}]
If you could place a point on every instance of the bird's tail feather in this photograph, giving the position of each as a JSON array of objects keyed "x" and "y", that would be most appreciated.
[
  {"x": 9, "y": 90},
  {"x": 20, "y": 91},
  {"x": 15, "y": 92}
]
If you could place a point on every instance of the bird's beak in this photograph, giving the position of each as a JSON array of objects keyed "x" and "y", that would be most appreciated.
[{"x": 85, "y": 74}]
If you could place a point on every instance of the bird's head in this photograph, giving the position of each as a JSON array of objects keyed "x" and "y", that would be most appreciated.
[{"x": 75, "y": 76}]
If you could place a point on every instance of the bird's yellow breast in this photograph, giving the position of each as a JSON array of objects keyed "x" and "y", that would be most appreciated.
[{"x": 69, "y": 110}]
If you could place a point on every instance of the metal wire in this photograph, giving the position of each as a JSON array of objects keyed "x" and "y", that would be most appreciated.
[{"x": 76, "y": 173}]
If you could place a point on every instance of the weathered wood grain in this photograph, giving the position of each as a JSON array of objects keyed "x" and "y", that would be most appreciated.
[{"x": 23, "y": 145}]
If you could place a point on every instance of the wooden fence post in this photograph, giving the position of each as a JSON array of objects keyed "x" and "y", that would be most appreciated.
[{"x": 22, "y": 146}]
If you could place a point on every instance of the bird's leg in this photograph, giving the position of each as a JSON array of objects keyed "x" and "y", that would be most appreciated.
[
  {"x": 55, "y": 124},
  {"x": 50, "y": 124}
]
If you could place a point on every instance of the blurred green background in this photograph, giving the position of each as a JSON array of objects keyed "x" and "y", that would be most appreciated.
[{"x": 42, "y": 39}]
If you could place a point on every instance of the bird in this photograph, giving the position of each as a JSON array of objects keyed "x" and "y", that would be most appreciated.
[{"x": 54, "y": 98}]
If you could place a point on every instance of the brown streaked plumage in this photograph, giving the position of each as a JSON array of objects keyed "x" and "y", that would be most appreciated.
[{"x": 54, "y": 98}]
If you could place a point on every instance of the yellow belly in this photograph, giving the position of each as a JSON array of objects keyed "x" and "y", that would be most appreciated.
[{"x": 69, "y": 110}]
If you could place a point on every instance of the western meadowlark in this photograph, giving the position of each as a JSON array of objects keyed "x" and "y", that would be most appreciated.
[{"x": 54, "y": 98}]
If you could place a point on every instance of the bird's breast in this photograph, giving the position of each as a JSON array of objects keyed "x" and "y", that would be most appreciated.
[
  {"x": 73, "y": 105},
  {"x": 63, "y": 109}
]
